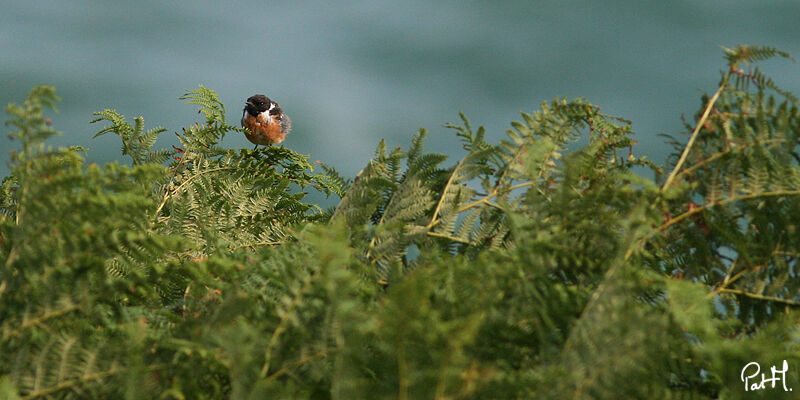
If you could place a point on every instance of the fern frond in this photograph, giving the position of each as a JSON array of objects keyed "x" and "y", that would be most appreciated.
[
  {"x": 339, "y": 183},
  {"x": 32, "y": 127},
  {"x": 750, "y": 54},
  {"x": 65, "y": 367},
  {"x": 136, "y": 142},
  {"x": 209, "y": 103}
]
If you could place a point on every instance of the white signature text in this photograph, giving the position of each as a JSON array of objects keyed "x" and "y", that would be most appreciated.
[{"x": 750, "y": 377}]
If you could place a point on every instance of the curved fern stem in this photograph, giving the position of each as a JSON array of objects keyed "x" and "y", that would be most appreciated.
[
  {"x": 705, "y": 207},
  {"x": 73, "y": 383},
  {"x": 169, "y": 194},
  {"x": 257, "y": 244},
  {"x": 283, "y": 325},
  {"x": 297, "y": 363},
  {"x": 761, "y": 297},
  {"x": 723, "y": 202},
  {"x": 696, "y": 132},
  {"x": 727, "y": 281},
  {"x": 435, "y": 217},
  {"x": 723, "y": 153},
  {"x": 44, "y": 318},
  {"x": 495, "y": 192}
]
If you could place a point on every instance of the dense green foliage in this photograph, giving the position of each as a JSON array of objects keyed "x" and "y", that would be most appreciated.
[{"x": 533, "y": 268}]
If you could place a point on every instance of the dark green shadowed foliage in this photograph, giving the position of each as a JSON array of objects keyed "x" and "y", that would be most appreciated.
[{"x": 530, "y": 268}]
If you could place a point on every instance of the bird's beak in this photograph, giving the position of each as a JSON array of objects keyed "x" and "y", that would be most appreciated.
[{"x": 250, "y": 104}]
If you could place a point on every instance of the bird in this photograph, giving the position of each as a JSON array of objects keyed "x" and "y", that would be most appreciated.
[{"x": 265, "y": 121}]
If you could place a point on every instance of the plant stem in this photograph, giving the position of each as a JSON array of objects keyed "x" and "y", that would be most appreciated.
[{"x": 695, "y": 134}]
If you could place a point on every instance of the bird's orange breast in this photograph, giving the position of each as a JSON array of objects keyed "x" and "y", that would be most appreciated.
[{"x": 264, "y": 129}]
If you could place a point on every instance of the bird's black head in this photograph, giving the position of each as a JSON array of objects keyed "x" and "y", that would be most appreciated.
[{"x": 257, "y": 104}]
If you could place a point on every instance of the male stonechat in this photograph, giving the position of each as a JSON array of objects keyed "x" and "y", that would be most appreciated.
[{"x": 265, "y": 121}]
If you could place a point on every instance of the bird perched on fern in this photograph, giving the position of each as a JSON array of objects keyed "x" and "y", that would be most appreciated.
[{"x": 265, "y": 121}]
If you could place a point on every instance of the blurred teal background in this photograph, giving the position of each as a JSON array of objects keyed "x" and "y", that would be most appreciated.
[{"x": 351, "y": 73}]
